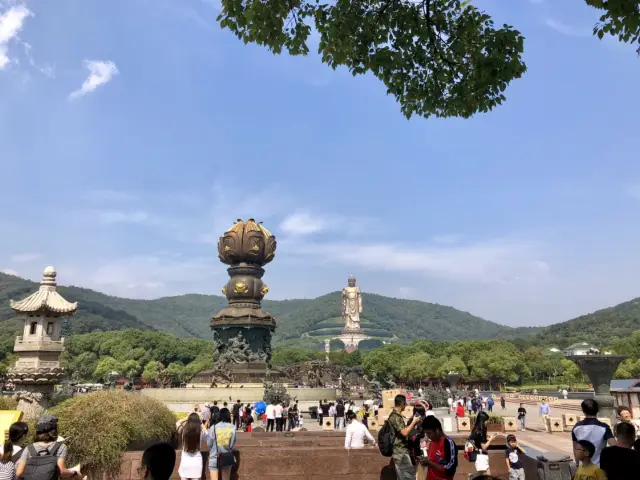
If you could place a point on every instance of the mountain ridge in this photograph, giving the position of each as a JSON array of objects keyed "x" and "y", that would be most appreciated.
[
  {"x": 188, "y": 315},
  {"x": 308, "y": 322}
]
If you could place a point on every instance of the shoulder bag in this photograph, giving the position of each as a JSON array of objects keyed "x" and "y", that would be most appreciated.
[{"x": 226, "y": 459}]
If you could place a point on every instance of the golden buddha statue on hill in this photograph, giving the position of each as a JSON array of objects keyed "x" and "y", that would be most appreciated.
[{"x": 351, "y": 306}]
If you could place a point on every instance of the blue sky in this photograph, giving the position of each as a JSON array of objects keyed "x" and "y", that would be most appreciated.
[{"x": 527, "y": 215}]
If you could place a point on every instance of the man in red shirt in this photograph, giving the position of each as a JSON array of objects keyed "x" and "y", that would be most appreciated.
[{"x": 441, "y": 458}]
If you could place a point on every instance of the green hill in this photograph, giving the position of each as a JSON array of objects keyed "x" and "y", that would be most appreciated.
[
  {"x": 595, "y": 328},
  {"x": 301, "y": 322}
]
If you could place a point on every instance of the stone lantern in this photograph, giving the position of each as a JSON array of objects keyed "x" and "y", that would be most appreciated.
[
  {"x": 38, "y": 369},
  {"x": 600, "y": 369}
]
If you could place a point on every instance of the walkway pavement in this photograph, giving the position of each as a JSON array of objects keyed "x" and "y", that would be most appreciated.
[{"x": 534, "y": 438}]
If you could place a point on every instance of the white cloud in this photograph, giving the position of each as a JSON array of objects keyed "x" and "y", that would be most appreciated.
[
  {"x": 302, "y": 223},
  {"x": 46, "y": 70},
  {"x": 101, "y": 72},
  {"x": 147, "y": 275},
  {"x": 8, "y": 271},
  {"x": 25, "y": 257},
  {"x": 565, "y": 29},
  {"x": 489, "y": 262},
  {"x": 11, "y": 22},
  {"x": 407, "y": 292},
  {"x": 115, "y": 216}
]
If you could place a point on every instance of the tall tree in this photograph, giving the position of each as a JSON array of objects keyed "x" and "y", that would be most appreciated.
[{"x": 436, "y": 57}]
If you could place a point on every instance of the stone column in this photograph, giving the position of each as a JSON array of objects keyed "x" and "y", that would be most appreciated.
[
  {"x": 600, "y": 370},
  {"x": 327, "y": 349}
]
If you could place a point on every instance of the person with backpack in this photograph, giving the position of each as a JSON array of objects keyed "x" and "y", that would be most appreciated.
[
  {"x": 393, "y": 439},
  {"x": 17, "y": 432},
  {"x": 44, "y": 459}
]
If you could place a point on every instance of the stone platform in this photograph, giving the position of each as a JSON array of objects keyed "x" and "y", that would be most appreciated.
[
  {"x": 183, "y": 399},
  {"x": 313, "y": 456}
]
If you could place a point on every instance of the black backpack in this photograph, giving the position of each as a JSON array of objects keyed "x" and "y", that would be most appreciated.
[
  {"x": 15, "y": 458},
  {"x": 42, "y": 465},
  {"x": 386, "y": 439}
]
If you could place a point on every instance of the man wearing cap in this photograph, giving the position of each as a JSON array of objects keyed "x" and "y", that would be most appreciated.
[{"x": 46, "y": 439}]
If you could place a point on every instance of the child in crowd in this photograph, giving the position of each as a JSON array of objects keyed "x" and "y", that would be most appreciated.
[
  {"x": 587, "y": 470},
  {"x": 513, "y": 451}
]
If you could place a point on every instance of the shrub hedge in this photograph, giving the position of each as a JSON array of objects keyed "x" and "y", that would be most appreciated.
[
  {"x": 99, "y": 426},
  {"x": 8, "y": 403},
  {"x": 494, "y": 419}
]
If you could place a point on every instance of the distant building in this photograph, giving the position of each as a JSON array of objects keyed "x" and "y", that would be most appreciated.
[
  {"x": 554, "y": 350},
  {"x": 627, "y": 392},
  {"x": 578, "y": 349}
]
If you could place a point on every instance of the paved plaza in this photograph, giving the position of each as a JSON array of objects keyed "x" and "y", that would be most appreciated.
[{"x": 535, "y": 438}]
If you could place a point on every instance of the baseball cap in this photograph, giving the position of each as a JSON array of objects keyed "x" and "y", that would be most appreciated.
[{"x": 46, "y": 424}]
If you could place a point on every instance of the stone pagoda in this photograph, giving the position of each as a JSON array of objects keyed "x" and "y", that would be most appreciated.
[{"x": 37, "y": 369}]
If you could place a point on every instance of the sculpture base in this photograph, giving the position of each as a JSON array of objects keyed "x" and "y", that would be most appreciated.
[
  {"x": 33, "y": 399},
  {"x": 351, "y": 338},
  {"x": 239, "y": 373}
]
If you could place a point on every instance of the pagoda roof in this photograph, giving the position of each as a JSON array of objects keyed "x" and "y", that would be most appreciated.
[{"x": 46, "y": 299}]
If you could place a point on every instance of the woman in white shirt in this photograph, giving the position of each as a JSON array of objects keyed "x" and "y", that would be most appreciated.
[
  {"x": 356, "y": 433},
  {"x": 191, "y": 435}
]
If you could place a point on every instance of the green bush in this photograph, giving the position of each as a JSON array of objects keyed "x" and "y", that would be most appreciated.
[
  {"x": 99, "y": 426},
  {"x": 8, "y": 403},
  {"x": 494, "y": 419}
]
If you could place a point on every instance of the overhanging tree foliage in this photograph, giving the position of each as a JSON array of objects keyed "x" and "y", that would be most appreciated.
[
  {"x": 436, "y": 57},
  {"x": 621, "y": 18}
]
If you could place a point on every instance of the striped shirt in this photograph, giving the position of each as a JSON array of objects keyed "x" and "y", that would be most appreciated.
[{"x": 7, "y": 471}]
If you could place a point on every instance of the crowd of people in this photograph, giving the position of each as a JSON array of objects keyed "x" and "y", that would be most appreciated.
[
  {"x": 340, "y": 410},
  {"x": 276, "y": 416},
  {"x": 419, "y": 447}
]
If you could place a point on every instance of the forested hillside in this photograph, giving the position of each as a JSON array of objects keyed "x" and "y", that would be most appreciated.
[
  {"x": 596, "y": 328},
  {"x": 306, "y": 323},
  {"x": 189, "y": 315}
]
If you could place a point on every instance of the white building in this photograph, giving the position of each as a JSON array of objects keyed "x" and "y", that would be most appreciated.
[{"x": 579, "y": 349}]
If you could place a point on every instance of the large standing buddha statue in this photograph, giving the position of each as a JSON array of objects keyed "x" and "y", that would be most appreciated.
[{"x": 351, "y": 306}]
